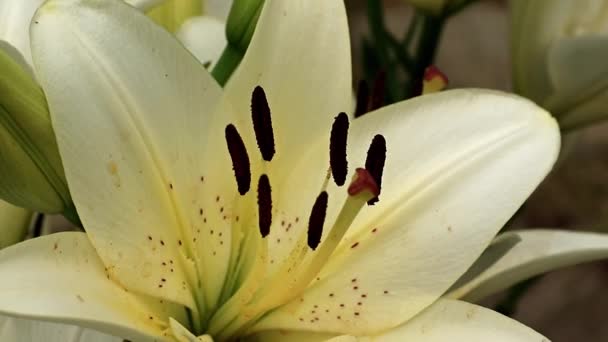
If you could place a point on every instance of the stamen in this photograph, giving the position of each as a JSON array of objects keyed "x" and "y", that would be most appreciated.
[
  {"x": 262, "y": 123},
  {"x": 264, "y": 205},
  {"x": 362, "y": 99},
  {"x": 378, "y": 92},
  {"x": 376, "y": 156},
  {"x": 317, "y": 220},
  {"x": 240, "y": 159},
  {"x": 337, "y": 148},
  {"x": 363, "y": 181}
]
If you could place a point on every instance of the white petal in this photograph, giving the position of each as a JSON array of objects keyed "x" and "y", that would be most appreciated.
[
  {"x": 538, "y": 251},
  {"x": 144, "y": 5},
  {"x": 300, "y": 55},
  {"x": 60, "y": 278},
  {"x": 132, "y": 109},
  {"x": 459, "y": 164},
  {"x": 204, "y": 37},
  {"x": 450, "y": 320},
  {"x": 14, "y": 223},
  {"x": 15, "y": 17},
  {"x": 24, "y": 330},
  {"x": 445, "y": 320}
]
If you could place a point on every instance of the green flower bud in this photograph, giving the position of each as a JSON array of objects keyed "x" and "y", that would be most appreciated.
[
  {"x": 241, "y": 23},
  {"x": 31, "y": 173},
  {"x": 559, "y": 58},
  {"x": 14, "y": 224}
]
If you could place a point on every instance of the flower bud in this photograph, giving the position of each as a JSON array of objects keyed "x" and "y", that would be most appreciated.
[
  {"x": 31, "y": 173},
  {"x": 241, "y": 23},
  {"x": 560, "y": 50},
  {"x": 173, "y": 13},
  {"x": 14, "y": 224}
]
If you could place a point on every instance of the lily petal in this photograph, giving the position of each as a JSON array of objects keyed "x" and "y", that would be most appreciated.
[
  {"x": 451, "y": 320},
  {"x": 539, "y": 251},
  {"x": 454, "y": 175},
  {"x": 300, "y": 55},
  {"x": 204, "y": 37},
  {"x": 145, "y": 5},
  {"x": 24, "y": 330},
  {"x": 59, "y": 278},
  {"x": 132, "y": 120},
  {"x": 15, "y": 17}
]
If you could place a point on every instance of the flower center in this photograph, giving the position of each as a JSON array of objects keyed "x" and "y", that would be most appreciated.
[{"x": 261, "y": 290}]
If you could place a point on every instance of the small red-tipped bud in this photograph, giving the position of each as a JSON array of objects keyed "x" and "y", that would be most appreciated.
[{"x": 434, "y": 80}]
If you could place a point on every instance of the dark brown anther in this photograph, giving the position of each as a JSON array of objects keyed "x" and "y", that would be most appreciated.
[
  {"x": 264, "y": 205},
  {"x": 378, "y": 92},
  {"x": 337, "y": 148},
  {"x": 317, "y": 220},
  {"x": 262, "y": 123},
  {"x": 362, "y": 99},
  {"x": 240, "y": 159},
  {"x": 376, "y": 156}
]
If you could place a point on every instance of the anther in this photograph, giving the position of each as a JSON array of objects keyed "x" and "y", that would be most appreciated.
[
  {"x": 376, "y": 156},
  {"x": 362, "y": 99},
  {"x": 337, "y": 148},
  {"x": 264, "y": 205},
  {"x": 317, "y": 220},
  {"x": 262, "y": 123},
  {"x": 240, "y": 159}
]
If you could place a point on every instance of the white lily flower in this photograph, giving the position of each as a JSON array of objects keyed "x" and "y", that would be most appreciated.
[
  {"x": 205, "y": 217},
  {"x": 559, "y": 54}
]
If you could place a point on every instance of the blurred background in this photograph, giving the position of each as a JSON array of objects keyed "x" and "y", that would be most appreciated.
[{"x": 474, "y": 51}]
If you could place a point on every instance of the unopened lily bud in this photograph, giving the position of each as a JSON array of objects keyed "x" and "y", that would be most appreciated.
[
  {"x": 241, "y": 23},
  {"x": 560, "y": 50},
  {"x": 434, "y": 80},
  {"x": 437, "y": 7},
  {"x": 14, "y": 224},
  {"x": 171, "y": 14},
  {"x": 31, "y": 173}
]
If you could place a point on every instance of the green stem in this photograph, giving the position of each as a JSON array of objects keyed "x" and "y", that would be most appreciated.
[
  {"x": 228, "y": 62},
  {"x": 431, "y": 29},
  {"x": 381, "y": 43},
  {"x": 425, "y": 47}
]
